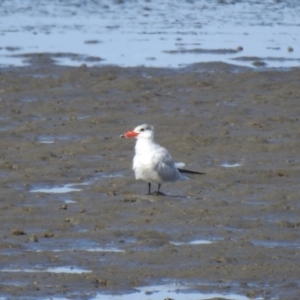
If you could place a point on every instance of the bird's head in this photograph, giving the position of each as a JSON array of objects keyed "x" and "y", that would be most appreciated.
[{"x": 144, "y": 131}]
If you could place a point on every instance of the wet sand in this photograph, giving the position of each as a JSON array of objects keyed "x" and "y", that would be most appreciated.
[{"x": 234, "y": 230}]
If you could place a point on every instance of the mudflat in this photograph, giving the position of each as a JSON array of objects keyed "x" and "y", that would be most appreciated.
[{"x": 74, "y": 221}]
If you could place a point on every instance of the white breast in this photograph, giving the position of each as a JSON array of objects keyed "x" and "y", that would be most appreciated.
[{"x": 153, "y": 163}]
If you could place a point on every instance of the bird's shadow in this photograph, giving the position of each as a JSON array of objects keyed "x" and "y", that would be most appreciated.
[
  {"x": 156, "y": 194},
  {"x": 160, "y": 194},
  {"x": 152, "y": 197}
]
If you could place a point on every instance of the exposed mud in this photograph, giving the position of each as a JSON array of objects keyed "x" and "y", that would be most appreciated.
[{"x": 75, "y": 222}]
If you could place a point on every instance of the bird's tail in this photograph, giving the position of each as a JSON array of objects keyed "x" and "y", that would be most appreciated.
[{"x": 190, "y": 172}]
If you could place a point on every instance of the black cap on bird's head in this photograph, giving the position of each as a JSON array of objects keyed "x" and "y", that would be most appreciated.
[{"x": 141, "y": 131}]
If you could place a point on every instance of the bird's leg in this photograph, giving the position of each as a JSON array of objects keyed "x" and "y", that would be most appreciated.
[
  {"x": 158, "y": 189},
  {"x": 149, "y": 188}
]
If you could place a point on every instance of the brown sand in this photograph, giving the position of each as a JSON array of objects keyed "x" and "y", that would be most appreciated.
[{"x": 206, "y": 115}]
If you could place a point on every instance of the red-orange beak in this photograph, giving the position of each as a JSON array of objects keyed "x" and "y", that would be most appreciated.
[{"x": 129, "y": 134}]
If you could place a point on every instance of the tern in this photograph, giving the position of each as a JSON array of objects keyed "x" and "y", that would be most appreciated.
[{"x": 152, "y": 162}]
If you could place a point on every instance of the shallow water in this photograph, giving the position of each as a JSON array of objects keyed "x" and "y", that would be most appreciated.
[
  {"x": 66, "y": 269},
  {"x": 280, "y": 244},
  {"x": 195, "y": 242},
  {"x": 178, "y": 292},
  {"x": 69, "y": 245},
  {"x": 158, "y": 33},
  {"x": 231, "y": 165},
  {"x": 67, "y": 188}
]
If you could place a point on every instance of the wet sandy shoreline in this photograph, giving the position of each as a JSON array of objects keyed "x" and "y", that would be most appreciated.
[{"x": 61, "y": 126}]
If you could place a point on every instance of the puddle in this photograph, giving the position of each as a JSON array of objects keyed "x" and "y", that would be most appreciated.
[
  {"x": 65, "y": 245},
  {"x": 95, "y": 249},
  {"x": 82, "y": 117},
  {"x": 195, "y": 242},
  {"x": 100, "y": 175},
  {"x": 11, "y": 251},
  {"x": 66, "y": 269},
  {"x": 112, "y": 176},
  {"x": 276, "y": 244},
  {"x": 231, "y": 165},
  {"x": 46, "y": 141},
  {"x": 176, "y": 292},
  {"x": 67, "y": 188},
  {"x": 71, "y": 187},
  {"x": 6, "y": 128},
  {"x": 67, "y": 201},
  {"x": 13, "y": 283},
  {"x": 71, "y": 245},
  {"x": 54, "y": 139},
  {"x": 28, "y": 99}
]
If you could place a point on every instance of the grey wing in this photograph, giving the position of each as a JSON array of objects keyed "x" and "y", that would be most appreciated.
[{"x": 165, "y": 167}]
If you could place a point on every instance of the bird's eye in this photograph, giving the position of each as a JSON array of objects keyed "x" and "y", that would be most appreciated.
[{"x": 142, "y": 129}]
